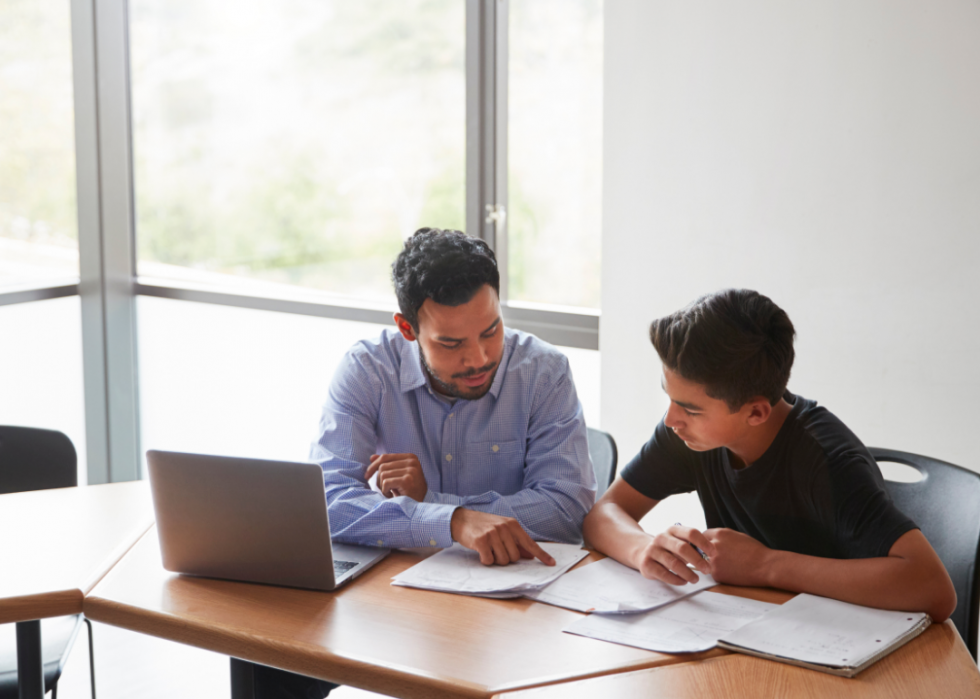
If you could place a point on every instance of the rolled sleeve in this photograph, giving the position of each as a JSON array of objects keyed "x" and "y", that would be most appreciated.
[{"x": 347, "y": 438}]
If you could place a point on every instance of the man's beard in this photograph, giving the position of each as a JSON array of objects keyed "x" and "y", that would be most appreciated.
[{"x": 451, "y": 389}]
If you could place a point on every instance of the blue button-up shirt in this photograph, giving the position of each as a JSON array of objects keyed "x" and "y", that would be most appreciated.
[{"x": 519, "y": 451}]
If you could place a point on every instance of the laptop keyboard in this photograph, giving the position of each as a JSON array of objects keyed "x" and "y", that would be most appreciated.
[{"x": 341, "y": 567}]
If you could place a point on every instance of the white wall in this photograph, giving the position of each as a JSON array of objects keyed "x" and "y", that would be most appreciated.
[{"x": 824, "y": 153}]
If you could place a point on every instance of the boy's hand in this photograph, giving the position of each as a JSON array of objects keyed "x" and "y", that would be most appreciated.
[
  {"x": 738, "y": 559},
  {"x": 666, "y": 556}
]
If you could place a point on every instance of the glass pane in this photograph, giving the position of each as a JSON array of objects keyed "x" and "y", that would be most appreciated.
[
  {"x": 296, "y": 142},
  {"x": 242, "y": 382},
  {"x": 38, "y": 229},
  {"x": 236, "y": 381},
  {"x": 41, "y": 369},
  {"x": 585, "y": 371},
  {"x": 555, "y": 151}
]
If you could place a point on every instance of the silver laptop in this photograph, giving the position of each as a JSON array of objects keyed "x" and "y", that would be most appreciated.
[{"x": 251, "y": 520}]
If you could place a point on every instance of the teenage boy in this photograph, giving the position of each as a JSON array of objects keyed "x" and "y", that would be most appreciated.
[{"x": 792, "y": 498}]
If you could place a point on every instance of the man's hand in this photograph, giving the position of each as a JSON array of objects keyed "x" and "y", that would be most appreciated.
[
  {"x": 398, "y": 474},
  {"x": 738, "y": 559},
  {"x": 497, "y": 539},
  {"x": 667, "y": 554}
]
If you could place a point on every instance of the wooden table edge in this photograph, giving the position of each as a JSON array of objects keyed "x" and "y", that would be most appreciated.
[
  {"x": 41, "y": 606},
  {"x": 68, "y": 601},
  {"x": 54, "y": 603},
  {"x": 114, "y": 556},
  {"x": 704, "y": 657},
  {"x": 661, "y": 661},
  {"x": 316, "y": 661}
]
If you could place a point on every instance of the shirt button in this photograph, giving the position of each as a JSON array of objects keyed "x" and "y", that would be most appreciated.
[
  {"x": 495, "y": 447},
  {"x": 449, "y": 457},
  {"x": 380, "y": 542},
  {"x": 451, "y": 414},
  {"x": 432, "y": 542}
]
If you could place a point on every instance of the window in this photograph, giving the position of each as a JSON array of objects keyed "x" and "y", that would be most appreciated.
[
  {"x": 38, "y": 232},
  {"x": 273, "y": 156},
  {"x": 40, "y": 341},
  {"x": 555, "y": 151},
  {"x": 295, "y": 142},
  {"x": 238, "y": 381}
]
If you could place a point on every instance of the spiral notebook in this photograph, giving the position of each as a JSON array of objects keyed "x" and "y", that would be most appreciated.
[{"x": 827, "y": 635}]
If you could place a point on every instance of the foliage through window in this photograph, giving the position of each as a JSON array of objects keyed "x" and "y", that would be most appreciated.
[
  {"x": 38, "y": 229},
  {"x": 296, "y": 141}
]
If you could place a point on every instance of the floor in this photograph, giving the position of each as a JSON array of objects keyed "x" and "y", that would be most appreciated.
[{"x": 130, "y": 666}]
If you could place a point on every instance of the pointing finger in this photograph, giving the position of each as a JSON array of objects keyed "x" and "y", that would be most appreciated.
[{"x": 531, "y": 546}]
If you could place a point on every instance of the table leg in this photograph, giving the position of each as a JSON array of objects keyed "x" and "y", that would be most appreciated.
[
  {"x": 242, "y": 679},
  {"x": 30, "y": 663}
]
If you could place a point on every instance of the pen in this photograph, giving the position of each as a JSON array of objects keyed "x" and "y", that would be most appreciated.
[{"x": 703, "y": 554}]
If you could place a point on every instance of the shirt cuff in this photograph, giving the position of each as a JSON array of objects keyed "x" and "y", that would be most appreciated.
[
  {"x": 431, "y": 525},
  {"x": 442, "y": 498}
]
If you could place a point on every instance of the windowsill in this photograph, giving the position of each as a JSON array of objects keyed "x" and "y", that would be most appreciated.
[{"x": 559, "y": 325}]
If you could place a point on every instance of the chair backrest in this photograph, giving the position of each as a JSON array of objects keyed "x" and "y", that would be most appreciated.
[
  {"x": 602, "y": 449},
  {"x": 36, "y": 459},
  {"x": 946, "y": 506}
]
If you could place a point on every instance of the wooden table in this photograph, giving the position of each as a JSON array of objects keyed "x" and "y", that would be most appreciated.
[
  {"x": 936, "y": 664},
  {"x": 414, "y": 643},
  {"x": 55, "y": 546},
  {"x": 370, "y": 634}
]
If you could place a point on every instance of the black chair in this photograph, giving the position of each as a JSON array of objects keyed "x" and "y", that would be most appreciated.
[
  {"x": 35, "y": 459},
  {"x": 946, "y": 506},
  {"x": 602, "y": 449}
]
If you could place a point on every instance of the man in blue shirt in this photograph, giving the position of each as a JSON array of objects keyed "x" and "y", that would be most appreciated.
[
  {"x": 470, "y": 432},
  {"x": 473, "y": 432}
]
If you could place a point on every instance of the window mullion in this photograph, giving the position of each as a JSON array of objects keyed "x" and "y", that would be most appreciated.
[
  {"x": 486, "y": 127},
  {"x": 105, "y": 233}
]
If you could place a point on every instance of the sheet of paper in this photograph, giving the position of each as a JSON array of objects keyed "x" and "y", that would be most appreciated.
[
  {"x": 458, "y": 569},
  {"x": 691, "y": 624},
  {"x": 609, "y": 587},
  {"x": 825, "y": 631}
]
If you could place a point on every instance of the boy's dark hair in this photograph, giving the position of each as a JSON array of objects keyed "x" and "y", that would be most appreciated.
[
  {"x": 446, "y": 266},
  {"x": 737, "y": 343}
]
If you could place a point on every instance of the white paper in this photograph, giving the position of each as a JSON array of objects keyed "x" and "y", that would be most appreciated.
[
  {"x": 458, "y": 569},
  {"x": 609, "y": 587},
  {"x": 825, "y": 631},
  {"x": 691, "y": 624}
]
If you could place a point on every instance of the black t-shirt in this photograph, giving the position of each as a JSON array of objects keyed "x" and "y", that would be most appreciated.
[{"x": 816, "y": 490}]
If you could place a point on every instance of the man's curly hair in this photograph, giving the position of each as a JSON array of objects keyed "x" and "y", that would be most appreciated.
[{"x": 446, "y": 266}]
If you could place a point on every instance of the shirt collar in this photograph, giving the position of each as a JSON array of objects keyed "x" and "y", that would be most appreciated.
[
  {"x": 413, "y": 376},
  {"x": 498, "y": 379}
]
